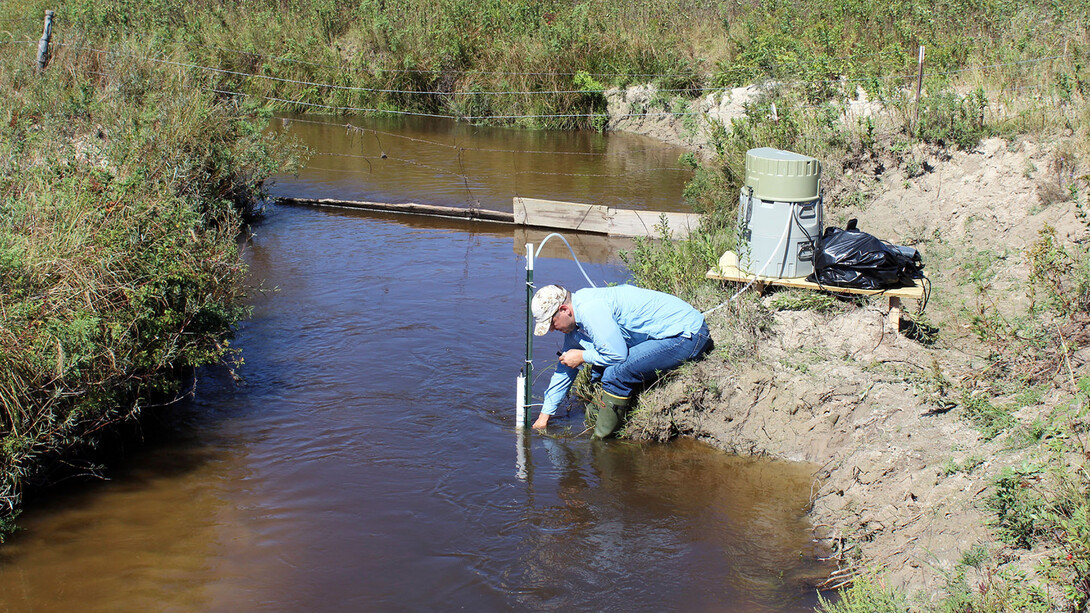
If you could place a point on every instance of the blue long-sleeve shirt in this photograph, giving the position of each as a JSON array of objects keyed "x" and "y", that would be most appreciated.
[{"x": 609, "y": 320}]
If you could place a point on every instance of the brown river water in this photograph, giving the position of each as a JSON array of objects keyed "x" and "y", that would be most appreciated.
[{"x": 369, "y": 458}]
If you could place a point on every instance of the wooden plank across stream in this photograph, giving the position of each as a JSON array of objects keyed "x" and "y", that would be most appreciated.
[
  {"x": 531, "y": 212},
  {"x": 599, "y": 219}
]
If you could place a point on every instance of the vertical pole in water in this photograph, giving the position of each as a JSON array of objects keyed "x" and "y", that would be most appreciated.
[
  {"x": 520, "y": 431},
  {"x": 523, "y": 386},
  {"x": 520, "y": 400},
  {"x": 528, "y": 366}
]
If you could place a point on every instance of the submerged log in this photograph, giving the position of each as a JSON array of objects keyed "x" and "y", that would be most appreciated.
[{"x": 407, "y": 208}]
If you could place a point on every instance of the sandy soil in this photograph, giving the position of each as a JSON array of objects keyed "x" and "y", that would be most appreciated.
[{"x": 849, "y": 392}]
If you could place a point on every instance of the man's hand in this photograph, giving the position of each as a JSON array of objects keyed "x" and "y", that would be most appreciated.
[
  {"x": 572, "y": 358},
  {"x": 542, "y": 421}
]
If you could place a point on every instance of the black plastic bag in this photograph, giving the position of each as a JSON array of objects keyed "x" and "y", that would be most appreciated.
[{"x": 850, "y": 257}]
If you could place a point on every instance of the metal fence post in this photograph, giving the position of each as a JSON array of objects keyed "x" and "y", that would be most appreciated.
[
  {"x": 919, "y": 88},
  {"x": 528, "y": 366},
  {"x": 43, "y": 44}
]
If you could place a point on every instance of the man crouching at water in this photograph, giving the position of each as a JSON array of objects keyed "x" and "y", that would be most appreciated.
[{"x": 626, "y": 333}]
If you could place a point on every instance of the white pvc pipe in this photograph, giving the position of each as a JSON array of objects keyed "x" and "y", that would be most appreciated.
[
  {"x": 520, "y": 401},
  {"x": 521, "y": 473}
]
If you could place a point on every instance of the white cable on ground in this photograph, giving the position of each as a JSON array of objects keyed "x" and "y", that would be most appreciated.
[{"x": 786, "y": 231}]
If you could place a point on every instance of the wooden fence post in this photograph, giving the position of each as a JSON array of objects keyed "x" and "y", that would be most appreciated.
[
  {"x": 919, "y": 87},
  {"x": 43, "y": 44}
]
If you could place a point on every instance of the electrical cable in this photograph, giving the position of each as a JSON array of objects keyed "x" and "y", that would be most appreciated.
[
  {"x": 577, "y": 263},
  {"x": 786, "y": 231}
]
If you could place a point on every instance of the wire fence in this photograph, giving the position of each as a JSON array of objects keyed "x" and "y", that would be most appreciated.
[
  {"x": 547, "y": 92},
  {"x": 689, "y": 92},
  {"x": 647, "y": 75},
  {"x": 695, "y": 102}
]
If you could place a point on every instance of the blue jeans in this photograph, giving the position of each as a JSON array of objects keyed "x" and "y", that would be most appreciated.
[{"x": 650, "y": 357}]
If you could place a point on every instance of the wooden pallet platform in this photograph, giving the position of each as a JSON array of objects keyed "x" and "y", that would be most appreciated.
[{"x": 727, "y": 270}]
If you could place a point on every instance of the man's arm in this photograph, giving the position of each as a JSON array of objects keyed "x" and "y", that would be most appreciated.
[{"x": 558, "y": 386}]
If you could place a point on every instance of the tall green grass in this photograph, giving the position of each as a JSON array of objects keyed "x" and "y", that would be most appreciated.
[
  {"x": 447, "y": 56},
  {"x": 121, "y": 197}
]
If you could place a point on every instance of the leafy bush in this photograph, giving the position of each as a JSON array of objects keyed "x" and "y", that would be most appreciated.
[
  {"x": 949, "y": 119},
  {"x": 1019, "y": 506},
  {"x": 677, "y": 267}
]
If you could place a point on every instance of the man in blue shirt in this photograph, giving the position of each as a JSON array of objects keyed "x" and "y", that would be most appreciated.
[{"x": 627, "y": 333}]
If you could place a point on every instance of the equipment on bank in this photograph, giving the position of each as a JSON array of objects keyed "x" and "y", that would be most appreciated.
[
  {"x": 779, "y": 214},
  {"x": 850, "y": 257}
]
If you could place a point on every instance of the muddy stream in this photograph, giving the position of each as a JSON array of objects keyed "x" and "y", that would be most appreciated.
[{"x": 368, "y": 459}]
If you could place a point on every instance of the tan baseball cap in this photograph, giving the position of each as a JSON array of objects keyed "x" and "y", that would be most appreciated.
[{"x": 544, "y": 305}]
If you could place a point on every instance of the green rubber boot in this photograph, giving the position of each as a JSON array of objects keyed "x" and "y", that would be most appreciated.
[{"x": 611, "y": 413}]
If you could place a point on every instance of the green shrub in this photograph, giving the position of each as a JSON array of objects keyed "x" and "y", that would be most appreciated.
[
  {"x": 994, "y": 590},
  {"x": 1068, "y": 521},
  {"x": 804, "y": 300},
  {"x": 952, "y": 120},
  {"x": 1019, "y": 506},
  {"x": 1061, "y": 274},
  {"x": 677, "y": 267},
  {"x": 982, "y": 412}
]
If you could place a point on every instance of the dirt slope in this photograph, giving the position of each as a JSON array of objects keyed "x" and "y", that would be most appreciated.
[{"x": 902, "y": 478}]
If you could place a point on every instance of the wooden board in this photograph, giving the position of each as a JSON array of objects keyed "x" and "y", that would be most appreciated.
[
  {"x": 562, "y": 215},
  {"x": 599, "y": 219},
  {"x": 550, "y": 214},
  {"x": 728, "y": 270}
]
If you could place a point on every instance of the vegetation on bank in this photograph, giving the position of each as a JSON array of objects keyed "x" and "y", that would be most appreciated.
[
  {"x": 545, "y": 64},
  {"x": 1043, "y": 505},
  {"x": 124, "y": 168},
  {"x": 121, "y": 199}
]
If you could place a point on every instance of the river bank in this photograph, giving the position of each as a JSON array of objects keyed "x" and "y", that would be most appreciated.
[
  {"x": 913, "y": 462},
  {"x": 122, "y": 198}
]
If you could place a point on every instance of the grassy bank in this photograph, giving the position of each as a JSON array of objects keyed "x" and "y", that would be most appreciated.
[
  {"x": 121, "y": 199},
  {"x": 521, "y": 59}
]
